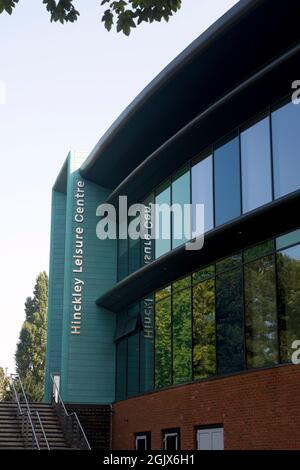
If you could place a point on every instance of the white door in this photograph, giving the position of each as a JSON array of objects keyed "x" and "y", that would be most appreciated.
[{"x": 210, "y": 439}]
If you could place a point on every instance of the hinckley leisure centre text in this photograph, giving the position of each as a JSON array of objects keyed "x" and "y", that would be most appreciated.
[{"x": 78, "y": 282}]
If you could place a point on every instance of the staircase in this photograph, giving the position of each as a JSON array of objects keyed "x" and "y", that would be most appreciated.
[
  {"x": 52, "y": 427},
  {"x": 10, "y": 430},
  {"x": 38, "y": 426}
]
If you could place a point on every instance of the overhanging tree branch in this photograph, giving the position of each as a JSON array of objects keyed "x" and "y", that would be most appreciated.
[{"x": 124, "y": 14}]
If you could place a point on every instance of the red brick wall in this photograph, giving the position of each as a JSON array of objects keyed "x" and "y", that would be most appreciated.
[{"x": 259, "y": 410}]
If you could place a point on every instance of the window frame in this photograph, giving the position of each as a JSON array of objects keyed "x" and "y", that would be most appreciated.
[
  {"x": 171, "y": 433},
  {"x": 146, "y": 437}
]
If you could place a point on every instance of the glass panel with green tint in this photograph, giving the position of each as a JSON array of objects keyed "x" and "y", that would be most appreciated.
[
  {"x": 181, "y": 226},
  {"x": 204, "y": 273},
  {"x": 288, "y": 239},
  {"x": 202, "y": 192},
  {"x": 133, "y": 365},
  {"x": 147, "y": 344},
  {"x": 230, "y": 322},
  {"x": 231, "y": 262},
  {"x": 133, "y": 310},
  {"x": 163, "y": 358},
  {"x": 134, "y": 247},
  {"x": 182, "y": 336},
  {"x": 258, "y": 251},
  {"x": 261, "y": 313},
  {"x": 288, "y": 272},
  {"x": 160, "y": 294},
  {"x": 122, "y": 259},
  {"x": 181, "y": 284},
  {"x": 147, "y": 242},
  {"x": 163, "y": 220},
  {"x": 204, "y": 334},
  {"x": 121, "y": 348}
]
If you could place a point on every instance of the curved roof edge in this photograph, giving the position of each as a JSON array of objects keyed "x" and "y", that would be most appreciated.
[{"x": 207, "y": 37}]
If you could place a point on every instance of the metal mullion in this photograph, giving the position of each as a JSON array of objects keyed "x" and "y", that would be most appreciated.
[
  {"x": 271, "y": 153},
  {"x": 277, "y": 306},
  {"x": 244, "y": 312}
]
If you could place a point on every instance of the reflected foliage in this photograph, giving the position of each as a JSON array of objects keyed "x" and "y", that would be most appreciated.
[
  {"x": 182, "y": 336},
  {"x": 204, "y": 337},
  {"x": 261, "y": 315},
  {"x": 288, "y": 268}
]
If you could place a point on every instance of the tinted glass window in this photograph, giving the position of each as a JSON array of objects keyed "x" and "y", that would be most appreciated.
[
  {"x": 181, "y": 195},
  {"x": 202, "y": 192},
  {"x": 231, "y": 262},
  {"x": 182, "y": 336},
  {"x": 163, "y": 221},
  {"x": 288, "y": 269},
  {"x": 134, "y": 251},
  {"x": 261, "y": 313},
  {"x": 163, "y": 358},
  {"x": 148, "y": 243},
  {"x": 285, "y": 133},
  {"x": 122, "y": 259},
  {"x": 256, "y": 165},
  {"x": 227, "y": 181},
  {"x": 204, "y": 337},
  {"x": 147, "y": 345},
  {"x": 288, "y": 239},
  {"x": 258, "y": 251},
  {"x": 230, "y": 322},
  {"x": 133, "y": 365},
  {"x": 121, "y": 369}
]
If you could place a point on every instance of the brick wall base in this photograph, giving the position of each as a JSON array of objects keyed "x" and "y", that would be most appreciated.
[{"x": 259, "y": 410}]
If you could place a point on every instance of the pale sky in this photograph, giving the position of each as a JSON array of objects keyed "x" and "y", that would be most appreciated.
[{"x": 65, "y": 85}]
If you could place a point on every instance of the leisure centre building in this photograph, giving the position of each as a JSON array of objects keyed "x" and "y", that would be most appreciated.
[{"x": 190, "y": 349}]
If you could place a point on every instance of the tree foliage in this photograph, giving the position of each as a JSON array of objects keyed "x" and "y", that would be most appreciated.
[
  {"x": 4, "y": 385},
  {"x": 124, "y": 14},
  {"x": 31, "y": 349}
]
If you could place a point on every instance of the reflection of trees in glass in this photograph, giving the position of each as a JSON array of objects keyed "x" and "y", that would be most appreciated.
[
  {"x": 261, "y": 315},
  {"x": 204, "y": 337},
  {"x": 163, "y": 372},
  {"x": 230, "y": 323},
  {"x": 288, "y": 268},
  {"x": 182, "y": 336}
]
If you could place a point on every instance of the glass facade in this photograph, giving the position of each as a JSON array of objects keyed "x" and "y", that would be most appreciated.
[
  {"x": 260, "y": 312},
  {"x": 241, "y": 312},
  {"x": 163, "y": 341},
  {"x": 244, "y": 171},
  {"x": 285, "y": 134},
  {"x": 288, "y": 269},
  {"x": 204, "y": 332},
  {"x": 180, "y": 197},
  {"x": 230, "y": 321},
  {"x": 256, "y": 165},
  {"x": 182, "y": 335},
  {"x": 227, "y": 180},
  {"x": 163, "y": 220},
  {"x": 202, "y": 191}
]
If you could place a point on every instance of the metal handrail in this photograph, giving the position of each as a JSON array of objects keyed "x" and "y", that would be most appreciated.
[
  {"x": 69, "y": 420},
  {"x": 28, "y": 414},
  {"x": 42, "y": 429}
]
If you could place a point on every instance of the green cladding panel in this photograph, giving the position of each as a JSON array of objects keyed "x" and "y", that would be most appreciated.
[
  {"x": 56, "y": 288},
  {"x": 87, "y": 366}
]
